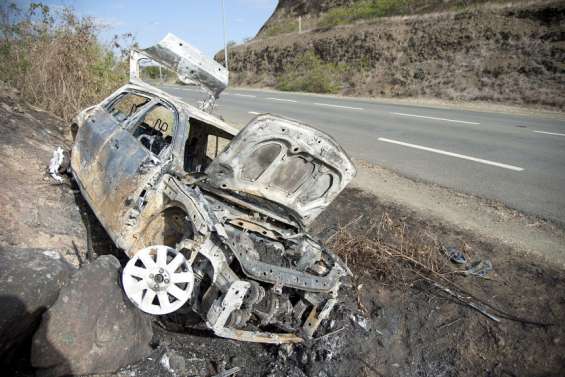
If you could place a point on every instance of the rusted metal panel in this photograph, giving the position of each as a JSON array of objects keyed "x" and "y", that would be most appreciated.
[{"x": 286, "y": 162}]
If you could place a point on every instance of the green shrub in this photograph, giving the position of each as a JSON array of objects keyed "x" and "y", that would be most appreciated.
[
  {"x": 55, "y": 59},
  {"x": 152, "y": 72},
  {"x": 281, "y": 27},
  {"x": 308, "y": 73},
  {"x": 362, "y": 10}
]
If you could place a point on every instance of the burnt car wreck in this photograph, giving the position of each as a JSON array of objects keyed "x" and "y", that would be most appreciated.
[{"x": 213, "y": 220}]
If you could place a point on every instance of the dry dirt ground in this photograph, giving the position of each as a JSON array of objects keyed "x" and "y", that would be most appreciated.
[
  {"x": 391, "y": 321},
  {"x": 36, "y": 213},
  {"x": 490, "y": 220}
]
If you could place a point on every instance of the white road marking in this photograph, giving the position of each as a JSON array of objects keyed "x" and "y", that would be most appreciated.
[
  {"x": 439, "y": 151},
  {"x": 254, "y": 112},
  {"x": 434, "y": 118},
  {"x": 282, "y": 99},
  {"x": 549, "y": 133},
  {"x": 243, "y": 95},
  {"x": 339, "y": 106}
]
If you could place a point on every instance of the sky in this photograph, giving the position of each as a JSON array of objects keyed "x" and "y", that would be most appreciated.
[{"x": 198, "y": 22}]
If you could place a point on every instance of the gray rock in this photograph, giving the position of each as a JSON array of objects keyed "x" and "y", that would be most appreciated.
[
  {"x": 92, "y": 327},
  {"x": 196, "y": 367},
  {"x": 30, "y": 280},
  {"x": 179, "y": 365}
]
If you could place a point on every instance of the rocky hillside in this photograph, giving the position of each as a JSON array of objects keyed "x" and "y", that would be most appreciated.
[
  {"x": 325, "y": 13},
  {"x": 508, "y": 53}
]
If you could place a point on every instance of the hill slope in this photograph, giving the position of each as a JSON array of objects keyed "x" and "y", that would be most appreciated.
[
  {"x": 503, "y": 53},
  {"x": 327, "y": 13}
]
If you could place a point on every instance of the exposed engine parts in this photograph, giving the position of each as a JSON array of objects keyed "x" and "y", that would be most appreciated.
[{"x": 239, "y": 280}]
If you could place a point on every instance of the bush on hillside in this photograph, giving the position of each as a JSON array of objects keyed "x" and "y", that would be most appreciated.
[
  {"x": 362, "y": 10},
  {"x": 308, "y": 73},
  {"x": 283, "y": 27}
]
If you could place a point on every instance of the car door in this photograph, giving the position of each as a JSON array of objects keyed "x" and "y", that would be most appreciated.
[
  {"x": 94, "y": 145},
  {"x": 137, "y": 154}
]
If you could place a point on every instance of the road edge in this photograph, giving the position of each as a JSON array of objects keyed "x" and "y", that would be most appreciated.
[
  {"x": 436, "y": 103},
  {"x": 489, "y": 220}
]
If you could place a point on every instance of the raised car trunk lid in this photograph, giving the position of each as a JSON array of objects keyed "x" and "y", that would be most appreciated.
[{"x": 191, "y": 65}]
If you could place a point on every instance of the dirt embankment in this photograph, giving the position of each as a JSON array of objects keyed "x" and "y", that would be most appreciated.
[
  {"x": 36, "y": 212},
  {"x": 502, "y": 53}
]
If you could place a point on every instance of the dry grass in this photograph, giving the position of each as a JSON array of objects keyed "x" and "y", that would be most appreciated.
[
  {"x": 385, "y": 250},
  {"x": 55, "y": 59}
]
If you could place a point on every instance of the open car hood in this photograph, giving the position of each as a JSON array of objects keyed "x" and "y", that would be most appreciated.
[
  {"x": 191, "y": 65},
  {"x": 286, "y": 162}
]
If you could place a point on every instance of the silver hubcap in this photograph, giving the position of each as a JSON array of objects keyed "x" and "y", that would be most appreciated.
[{"x": 158, "y": 280}]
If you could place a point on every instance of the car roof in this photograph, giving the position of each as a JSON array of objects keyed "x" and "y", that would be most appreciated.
[{"x": 193, "y": 112}]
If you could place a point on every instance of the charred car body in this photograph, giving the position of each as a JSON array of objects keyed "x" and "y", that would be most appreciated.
[{"x": 212, "y": 219}]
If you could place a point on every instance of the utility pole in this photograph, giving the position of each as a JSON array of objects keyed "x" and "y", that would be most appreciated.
[{"x": 225, "y": 36}]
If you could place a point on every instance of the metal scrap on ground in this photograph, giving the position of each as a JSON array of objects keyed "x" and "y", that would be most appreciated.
[{"x": 55, "y": 164}]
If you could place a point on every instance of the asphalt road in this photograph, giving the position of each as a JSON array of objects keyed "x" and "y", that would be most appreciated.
[{"x": 514, "y": 159}]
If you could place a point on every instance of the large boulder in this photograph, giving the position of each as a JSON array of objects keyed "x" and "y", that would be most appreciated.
[
  {"x": 30, "y": 280},
  {"x": 92, "y": 328}
]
